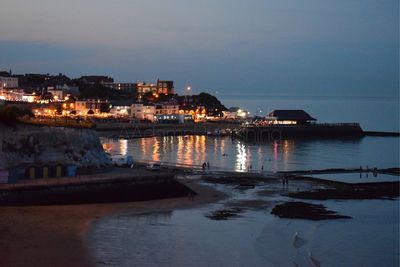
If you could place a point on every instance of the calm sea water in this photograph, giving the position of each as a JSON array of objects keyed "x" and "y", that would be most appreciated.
[
  {"x": 186, "y": 237},
  {"x": 373, "y": 113},
  {"x": 226, "y": 154}
]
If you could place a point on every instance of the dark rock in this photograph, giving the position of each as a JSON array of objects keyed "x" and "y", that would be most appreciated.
[
  {"x": 387, "y": 190},
  {"x": 224, "y": 214},
  {"x": 302, "y": 210}
]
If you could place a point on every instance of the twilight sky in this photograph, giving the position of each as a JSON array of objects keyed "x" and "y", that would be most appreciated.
[{"x": 286, "y": 47}]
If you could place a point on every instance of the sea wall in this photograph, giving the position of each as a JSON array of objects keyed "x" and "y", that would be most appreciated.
[
  {"x": 41, "y": 144},
  {"x": 280, "y": 132},
  {"x": 115, "y": 190},
  {"x": 128, "y": 130}
]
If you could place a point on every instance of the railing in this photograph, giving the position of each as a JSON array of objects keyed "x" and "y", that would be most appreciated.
[
  {"x": 336, "y": 124},
  {"x": 59, "y": 122},
  {"x": 305, "y": 124}
]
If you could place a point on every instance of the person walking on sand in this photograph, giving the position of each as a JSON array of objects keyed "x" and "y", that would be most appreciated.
[{"x": 208, "y": 165}]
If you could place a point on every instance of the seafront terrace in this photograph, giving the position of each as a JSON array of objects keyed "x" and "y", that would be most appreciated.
[{"x": 137, "y": 175}]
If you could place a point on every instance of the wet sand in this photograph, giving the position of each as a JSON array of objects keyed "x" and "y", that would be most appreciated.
[{"x": 55, "y": 235}]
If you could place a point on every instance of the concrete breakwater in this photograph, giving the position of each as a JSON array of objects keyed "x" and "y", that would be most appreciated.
[
  {"x": 380, "y": 133},
  {"x": 156, "y": 186},
  {"x": 128, "y": 131},
  {"x": 279, "y": 132}
]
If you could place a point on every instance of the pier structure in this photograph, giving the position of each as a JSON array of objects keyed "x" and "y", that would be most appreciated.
[{"x": 276, "y": 132}]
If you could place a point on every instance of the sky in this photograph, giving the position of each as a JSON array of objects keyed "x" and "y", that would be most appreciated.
[{"x": 238, "y": 47}]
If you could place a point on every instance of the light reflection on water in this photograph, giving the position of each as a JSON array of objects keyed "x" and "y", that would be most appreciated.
[
  {"x": 234, "y": 155},
  {"x": 123, "y": 147}
]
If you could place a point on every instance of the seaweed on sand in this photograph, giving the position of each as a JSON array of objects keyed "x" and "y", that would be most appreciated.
[{"x": 224, "y": 214}]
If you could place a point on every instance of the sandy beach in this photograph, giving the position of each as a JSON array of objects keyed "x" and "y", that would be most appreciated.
[{"x": 55, "y": 235}]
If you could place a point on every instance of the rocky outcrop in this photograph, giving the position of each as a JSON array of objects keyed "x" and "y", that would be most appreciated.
[{"x": 42, "y": 144}]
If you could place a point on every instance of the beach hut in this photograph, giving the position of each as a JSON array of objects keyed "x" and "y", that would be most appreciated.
[
  {"x": 71, "y": 170},
  {"x": 31, "y": 172},
  {"x": 59, "y": 170},
  {"x": 19, "y": 172},
  {"x": 45, "y": 171},
  {"x": 34, "y": 171}
]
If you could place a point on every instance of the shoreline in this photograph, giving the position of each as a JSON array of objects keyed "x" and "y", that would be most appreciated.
[{"x": 56, "y": 235}]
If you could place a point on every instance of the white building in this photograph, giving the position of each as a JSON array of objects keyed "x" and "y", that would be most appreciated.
[
  {"x": 120, "y": 111},
  {"x": 8, "y": 82},
  {"x": 143, "y": 112},
  {"x": 229, "y": 115},
  {"x": 168, "y": 108},
  {"x": 12, "y": 94},
  {"x": 82, "y": 107},
  {"x": 235, "y": 113},
  {"x": 30, "y": 97},
  {"x": 57, "y": 94},
  {"x": 173, "y": 118}
]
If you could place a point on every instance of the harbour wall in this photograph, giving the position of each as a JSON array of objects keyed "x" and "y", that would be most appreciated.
[{"x": 279, "y": 132}]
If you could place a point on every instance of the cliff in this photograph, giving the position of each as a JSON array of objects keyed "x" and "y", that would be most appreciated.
[{"x": 42, "y": 144}]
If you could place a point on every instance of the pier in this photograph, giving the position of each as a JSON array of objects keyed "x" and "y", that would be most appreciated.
[
  {"x": 312, "y": 130},
  {"x": 379, "y": 133}
]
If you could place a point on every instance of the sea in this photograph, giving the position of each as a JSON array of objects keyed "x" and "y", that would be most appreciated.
[
  {"x": 186, "y": 237},
  {"x": 373, "y": 113}
]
